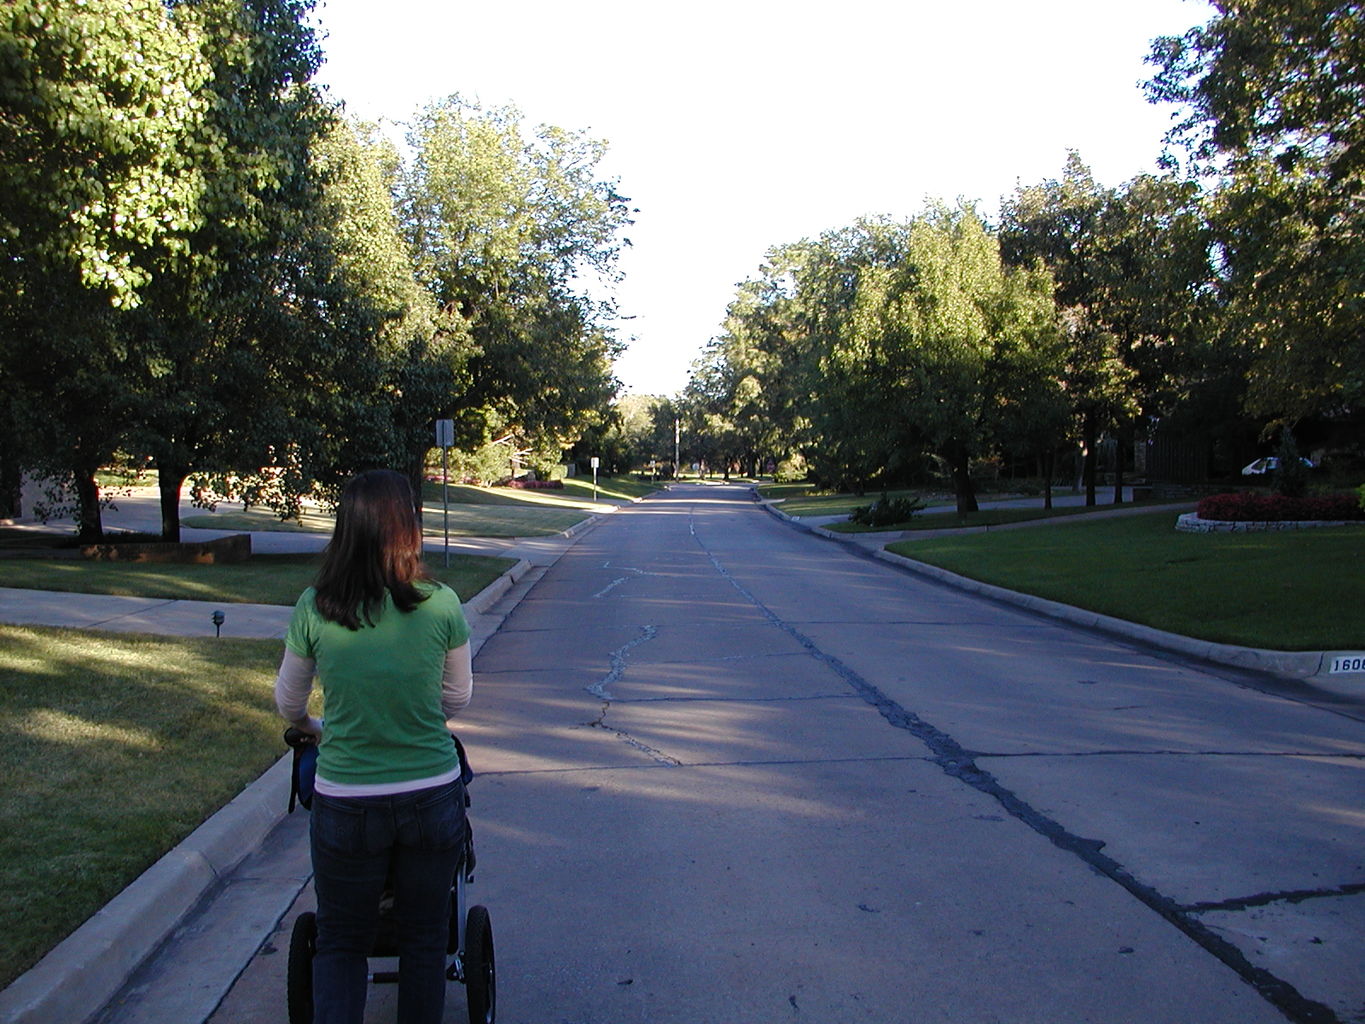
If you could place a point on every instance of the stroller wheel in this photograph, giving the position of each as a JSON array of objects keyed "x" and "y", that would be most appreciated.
[
  {"x": 302, "y": 945},
  {"x": 480, "y": 980}
]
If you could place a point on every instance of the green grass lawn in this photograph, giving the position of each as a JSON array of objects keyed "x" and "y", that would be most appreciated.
[
  {"x": 576, "y": 493},
  {"x": 947, "y": 518},
  {"x": 1284, "y": 590},
  {"x": 487, "y": 518},
  {"x": 801, "y": 501},
  {"x": 471, "y": 511},
  {"x": 113, "y": 749},
  {"x": 618, "y": 488},
  {"x": 264, "y": 579},
  {"x": 785, "y": 492}
]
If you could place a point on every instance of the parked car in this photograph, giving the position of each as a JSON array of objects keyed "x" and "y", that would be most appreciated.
[{"x": 1268, "y": 464}]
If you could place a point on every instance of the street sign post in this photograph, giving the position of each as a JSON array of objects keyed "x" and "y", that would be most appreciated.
[
  {"x": 445, "y": 437},
  {"x": 595, "y": 463}
]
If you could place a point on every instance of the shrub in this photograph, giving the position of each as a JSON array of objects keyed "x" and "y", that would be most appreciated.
[
  {"x": 535, "y": 485},
  {"x": 546, "y": 469},
  {"x": 1276, "y": 508},
  {"x": 480, "y": 467},
  {"x": 1291, "y": 475},
  {"x": 791, "y": 470},
  {"x": 886, "y": 512}
]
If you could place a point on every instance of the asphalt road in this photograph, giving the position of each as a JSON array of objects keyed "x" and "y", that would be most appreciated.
[{"x": 731, "y": 772}]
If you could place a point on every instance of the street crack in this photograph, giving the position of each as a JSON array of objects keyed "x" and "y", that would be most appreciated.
[
  {"x": 619, "y": 580},
  {"x": 600, "y": 690},
  {"x": 1266, "y": 899},
  {"x": 618, "y": 663}
]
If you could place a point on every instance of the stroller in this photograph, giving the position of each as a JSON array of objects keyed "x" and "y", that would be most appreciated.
[{"x": 470, "y": 943}]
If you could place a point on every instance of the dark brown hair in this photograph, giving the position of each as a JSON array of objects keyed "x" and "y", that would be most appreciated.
[{"x": 375, "y": 549}]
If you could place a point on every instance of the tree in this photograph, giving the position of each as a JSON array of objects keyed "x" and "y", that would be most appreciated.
[
  {"x": 874, "y": 347},
  {"x": 97, "y": 193},
  {"x": 624, "y": 439},
  {"x": 735, "y": 393},
  {"x": 95, "y": 101},
  {"x": 506, "y": 231},
  {"x": 959, "y": 333},
  {"x": 416, "y": 357},
  {"x": 1132, "y": 273},
  {"x": 176, "y": 294},
  {"x": 1271, "y": 92},
  {"x": 237, "y": 342},
  {"x": 1056, "y": 224}
]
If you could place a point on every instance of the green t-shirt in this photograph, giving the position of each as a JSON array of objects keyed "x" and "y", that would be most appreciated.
[{"x": 381, "y": 688}]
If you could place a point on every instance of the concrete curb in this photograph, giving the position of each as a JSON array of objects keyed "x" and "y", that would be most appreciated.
[
  {"x": 492, "y": 594},
  {"x": 78, "y": 976},
  {"x": 1300, "y": 665},
  {"x": 1296, "y": 664}
]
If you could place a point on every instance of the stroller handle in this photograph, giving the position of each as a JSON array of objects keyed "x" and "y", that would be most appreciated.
[{"x": 297, "y": 738}]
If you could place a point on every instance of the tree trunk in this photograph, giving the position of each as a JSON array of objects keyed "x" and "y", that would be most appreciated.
[
  {"x": 170, "y": 479},
  {"x": 1118, "y": 471},
  {"x": 11, "y": 487},
  {"x": 417, "y": 474},
  {"x": 962, "y": 482},
  {"x": 1089, "y": 429},
  {"x": 90, "y": 527},
  {"x": 1049, "y": 461}
]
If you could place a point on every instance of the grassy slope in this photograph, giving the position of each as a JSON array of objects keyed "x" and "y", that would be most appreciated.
[{"x": 1289, "y": 590}]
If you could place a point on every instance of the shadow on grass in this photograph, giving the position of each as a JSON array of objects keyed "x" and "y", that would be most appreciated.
[
  {"x": 113, "y": 749},
  {"x": 264, "y": 579}
]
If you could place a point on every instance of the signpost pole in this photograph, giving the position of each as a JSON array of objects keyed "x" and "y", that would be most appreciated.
[{"x": 445, "y": 437}]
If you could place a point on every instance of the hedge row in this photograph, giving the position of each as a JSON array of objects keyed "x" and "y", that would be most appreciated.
[{"x": 1278, "y": 508}]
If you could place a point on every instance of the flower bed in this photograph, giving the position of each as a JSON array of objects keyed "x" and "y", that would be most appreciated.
[
  {"x": 535, "y": 485},
  {"x": 1277, "y": 508}
]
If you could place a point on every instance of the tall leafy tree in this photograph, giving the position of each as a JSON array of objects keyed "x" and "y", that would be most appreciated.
[
  {"x": 97, "y": 194},
  {"x": 878, "y": 343},
  {"x": 958, "y": 334},
  {"x": 1132, "y": 273},
  {"x": 239, "y": 341},
  {"x": 1271, "y": 93},
  {"x": 415, "y": 357},
  {"x": 507, "y": 228},
  {"x": 1056, "y": 224}
]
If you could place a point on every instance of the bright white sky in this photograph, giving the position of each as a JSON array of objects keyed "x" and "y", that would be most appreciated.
[{"x": 737, "y": 125}]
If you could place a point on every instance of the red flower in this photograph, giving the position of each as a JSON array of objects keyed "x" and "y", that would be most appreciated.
[{"x": 1247, "y": 507}]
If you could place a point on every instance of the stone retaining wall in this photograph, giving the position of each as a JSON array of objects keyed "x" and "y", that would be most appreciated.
[
  {"x": 224, "y": 550},
  {"x": 1191, "y": 523}
]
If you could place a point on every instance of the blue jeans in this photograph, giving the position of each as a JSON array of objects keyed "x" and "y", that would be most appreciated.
[{"x": 413, "y": 840}]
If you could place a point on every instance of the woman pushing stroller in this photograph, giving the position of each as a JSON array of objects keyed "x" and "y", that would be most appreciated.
[{"x": 389, "y": 647}]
